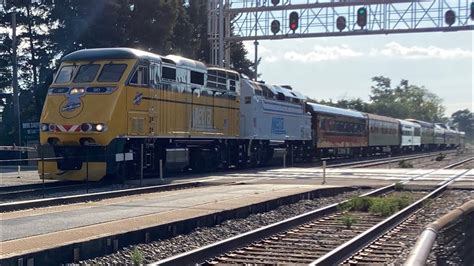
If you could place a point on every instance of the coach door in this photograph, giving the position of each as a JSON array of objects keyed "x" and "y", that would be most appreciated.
[{"x": 154, "y": 107}]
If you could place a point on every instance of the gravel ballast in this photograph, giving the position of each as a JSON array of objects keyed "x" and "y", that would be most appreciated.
[{"x": 161, "y": 249}]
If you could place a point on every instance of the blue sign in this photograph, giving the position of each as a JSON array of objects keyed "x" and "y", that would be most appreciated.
[{"x": 278, "y": 125}]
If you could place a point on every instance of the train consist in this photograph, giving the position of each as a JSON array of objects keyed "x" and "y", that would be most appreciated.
[{"x": 112, "y": 111}]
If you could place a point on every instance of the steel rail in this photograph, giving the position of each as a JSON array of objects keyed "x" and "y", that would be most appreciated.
[
  {"x": 209, "y": 251},
  {"x": 38, "y": 203},
  {"x": 384, "y": 160},
  {"x": 349, "y": 248},
  {"x": 215, "y": 249}
]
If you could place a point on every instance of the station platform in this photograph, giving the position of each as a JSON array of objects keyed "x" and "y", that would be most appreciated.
[{"x": 30, "y": 231}]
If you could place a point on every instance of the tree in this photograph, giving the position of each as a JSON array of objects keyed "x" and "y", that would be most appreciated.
[
  {"x": 405, "y": 101},
  {"x": 464, "y": 120}
]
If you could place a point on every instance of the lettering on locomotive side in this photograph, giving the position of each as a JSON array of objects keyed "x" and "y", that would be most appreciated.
[
  {"x": 278, "y": 125},
  {"x": 202, "y": 117}
]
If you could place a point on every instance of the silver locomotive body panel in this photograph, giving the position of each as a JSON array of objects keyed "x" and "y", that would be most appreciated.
[{"x": 266, "y": 118}]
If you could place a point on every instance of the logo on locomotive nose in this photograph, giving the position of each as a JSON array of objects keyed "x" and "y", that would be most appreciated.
[{"x": 72, "y": 106}]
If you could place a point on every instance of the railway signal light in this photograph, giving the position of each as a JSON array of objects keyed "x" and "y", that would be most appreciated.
[
  {"x": 275, "y": 26},
  {"x": 472, "y": 11},
  {"x": 294, "y": 20},
  {"x": 450, "y": 17},
  {"x": 341, "y": 23},
  {"x": 362, "y": 17}
]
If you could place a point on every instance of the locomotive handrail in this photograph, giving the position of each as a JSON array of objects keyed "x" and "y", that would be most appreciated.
[{"x": 17, "y": 148}]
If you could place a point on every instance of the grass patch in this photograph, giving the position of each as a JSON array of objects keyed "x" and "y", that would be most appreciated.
[
  {"x": 384, "y": 206},
  {"x": 137, "y": 257},
  {"x": 348, "y": 220},
  {"x": 399, "y": 186},
  {"x": 405, "y": 164},
  {"x": 440, "y": 157}
]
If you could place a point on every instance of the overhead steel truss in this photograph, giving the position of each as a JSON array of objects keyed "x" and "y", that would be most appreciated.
[{"x": 251, "y": 19}]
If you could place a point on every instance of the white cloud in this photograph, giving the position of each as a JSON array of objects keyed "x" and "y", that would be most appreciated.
[
  {"x": 322, "y": 53},
  {"x": 394, "y": 49},
  {"x": 317, "y": 54}
]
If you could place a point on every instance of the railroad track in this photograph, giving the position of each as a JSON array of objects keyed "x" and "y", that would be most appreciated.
[
  {"x": 8, "y": 193},
  {"x": 325, "y": 241}
]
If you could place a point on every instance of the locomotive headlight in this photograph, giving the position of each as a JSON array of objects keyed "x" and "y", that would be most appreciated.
[
  {"x": 77, "y": 91},
  {"x": 86, "y": 127},
  {"x": 44, "y": 127},
  {"x": 99, "y": 127}
]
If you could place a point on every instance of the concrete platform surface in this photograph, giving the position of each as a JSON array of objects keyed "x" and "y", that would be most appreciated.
[{"x": 26, "y": 231}]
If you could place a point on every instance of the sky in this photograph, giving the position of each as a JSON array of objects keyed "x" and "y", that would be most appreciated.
[{"x": 342, "y": 67}]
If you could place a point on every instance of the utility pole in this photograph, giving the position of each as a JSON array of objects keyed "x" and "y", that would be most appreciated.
[{"x": 16, "y": 97}]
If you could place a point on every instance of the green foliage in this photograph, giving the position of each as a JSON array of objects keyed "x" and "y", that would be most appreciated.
[
  {"x": 399, "y": 186},
  {"x": 464, "y": 120},
  {"x": 387, "y": 206},
  {"x": 405, "y": 101},
  {"x": 348, "y": 220},
  {"x": 137, "y": 257},
  {"x": 440, "y": 157},
  {"x": 356, "y": 204},
  {"x": 383, "y": 206},
  {"x": 405, "y": 164}
]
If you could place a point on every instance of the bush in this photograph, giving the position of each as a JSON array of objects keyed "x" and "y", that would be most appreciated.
[
  {"x": 405, "y": 164},
  {"x": 137, "y": 257},
  {"x": 385, "y": 206},
  {"x": 348, "y": 220},
  {"x": 440, "y": 157},
  {"x": 398, "y": 186}
]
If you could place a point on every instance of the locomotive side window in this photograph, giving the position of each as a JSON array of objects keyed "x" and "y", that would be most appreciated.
[
  {"x": 65, "y": 74},
  {"x": 86, "y": 73},
  {"x": 111, "y": 72},
  {"x": 197, "y": 78},
  {"x": 168, "y": 73},
  {"x": 140, "y": 77}
]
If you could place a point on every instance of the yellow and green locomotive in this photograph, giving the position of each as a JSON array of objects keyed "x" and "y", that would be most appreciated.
[{"x": 108, "y": 102}]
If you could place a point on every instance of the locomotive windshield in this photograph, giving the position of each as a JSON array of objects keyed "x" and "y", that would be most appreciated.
[
  {"x": 111, "y": 72},
  {"x": 86, "y": 73},
  {"x": 65, "y": 74}
]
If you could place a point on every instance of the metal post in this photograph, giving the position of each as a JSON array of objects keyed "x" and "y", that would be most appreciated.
[
  {"x": 255, "y": 63},
  {"x": 141, "y": 166},
  {"x": 161, "y": 169},
  {"x": 87, "y": 172},
  {"x": 18, "y": 167},
  {"x": 42, "y": 174},
  {"x": 16, "y": 98},
  {"x": 221, "y": 33},
  {"x": 324, "y": 172},
  {"x": 292, "y": 152},
  {"x": 389, "y": 161},
  {"x": 284, "y": 160}
]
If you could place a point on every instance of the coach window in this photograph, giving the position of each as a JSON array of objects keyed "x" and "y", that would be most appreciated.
[
  {"x": 65, "y": 74},
  {"x": 168, "y": 73},
  {"x": 140, "y": 77},
  {"x": 111, "y": 72},
  {"x": 86, "y": 73},
  {"x": 197, "y": 78}
]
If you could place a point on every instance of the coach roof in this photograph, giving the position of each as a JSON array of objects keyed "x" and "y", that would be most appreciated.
[
  {"x": 109, "y": 53},
  {"x": 319, "y": 108}
]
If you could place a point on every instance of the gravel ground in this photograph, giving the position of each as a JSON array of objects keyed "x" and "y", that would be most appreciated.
[
  {"x": 434, "y": 210},
  {"x": 207, "y": 235}
]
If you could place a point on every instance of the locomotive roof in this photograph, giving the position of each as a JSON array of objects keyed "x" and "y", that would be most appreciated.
[
  {"x": 109, "y": 53},
  {"x": 319, "y": 108},
  {"x": 186, "y": 62}
]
